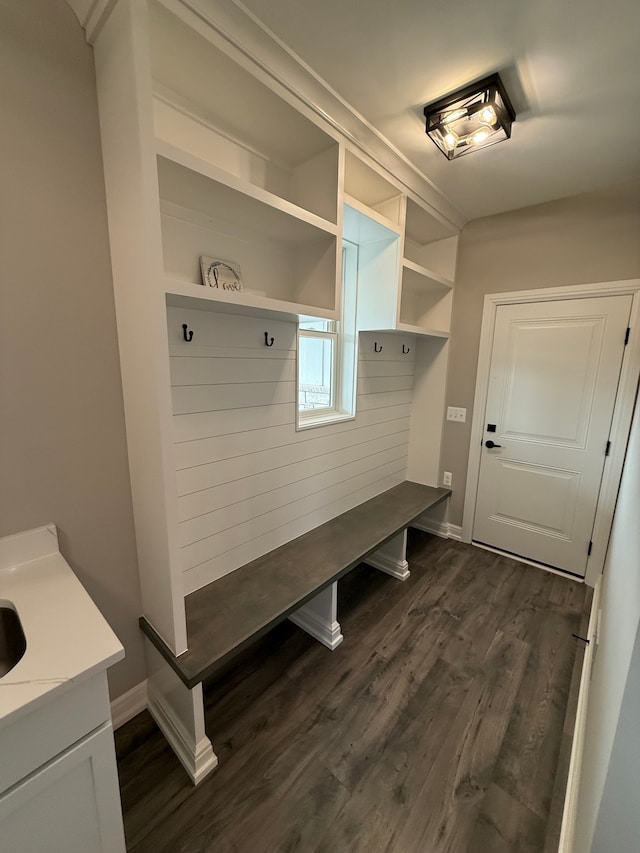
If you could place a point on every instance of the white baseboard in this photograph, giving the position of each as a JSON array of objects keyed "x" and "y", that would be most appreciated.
[
  {"x": 329, "y": 634},
  {"x": 440, "y": 528},
  {"x": 396, "y": 568},
  {"x": 454, "y": 532},
  {"x": 129, "y": 704},
  {"x": 198, "y": 759},
  {"x": 569, "y": 815}
]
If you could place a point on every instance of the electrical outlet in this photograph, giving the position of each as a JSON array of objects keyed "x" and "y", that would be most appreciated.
[
  {"x": 446, "y": 478},
  {"x": 455, "y": 413}
]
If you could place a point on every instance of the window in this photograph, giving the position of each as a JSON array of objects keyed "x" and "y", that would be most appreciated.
[
  {"x": 318, "y": 351},
  {"x": 327, "y": 356}
]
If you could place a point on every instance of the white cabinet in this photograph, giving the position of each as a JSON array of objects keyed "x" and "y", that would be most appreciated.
[
  {"x": 59, "y": 789},
  {"x": 70, "y": 805}
]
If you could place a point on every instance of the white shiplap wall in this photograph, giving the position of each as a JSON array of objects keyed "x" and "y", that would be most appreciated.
[{"x": 247, "y": 481}]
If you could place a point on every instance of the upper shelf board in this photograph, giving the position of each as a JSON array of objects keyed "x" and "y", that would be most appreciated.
[
  {"x": 429, "y": 277},
  {"x": 259, "y": 212},
  {"x": 186, "y": 295},
  {"x": 203, "y": 195}
]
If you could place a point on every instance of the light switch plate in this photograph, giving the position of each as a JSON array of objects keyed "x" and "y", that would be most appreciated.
[{"x": 455, "y": 413}]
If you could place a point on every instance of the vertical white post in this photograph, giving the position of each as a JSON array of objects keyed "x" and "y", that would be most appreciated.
[
  {"x": 318, "y": 617},
  {"x": 179, "y": 713},
  {"x": 392, "y": 557},
  {"x": 124, "y": 86}
]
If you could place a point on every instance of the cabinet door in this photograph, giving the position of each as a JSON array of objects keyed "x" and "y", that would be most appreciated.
[{"x": 71, "y": 805}]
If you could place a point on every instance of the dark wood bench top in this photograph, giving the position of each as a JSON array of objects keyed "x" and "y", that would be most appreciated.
[{"x": 227, "y": 615}]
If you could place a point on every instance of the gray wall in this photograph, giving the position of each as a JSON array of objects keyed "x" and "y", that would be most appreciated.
[
  {"x": 618, "y": 825},
  {"x": 62, "y": 447},
  {"x": 620, "y": 617},
  {"x": 588, "y": 238}
]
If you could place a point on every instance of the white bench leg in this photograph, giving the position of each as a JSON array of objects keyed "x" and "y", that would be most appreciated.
[
  {"x": 318, "y": 617},
  {"x": 179, "y": 713},
  {"x": 392, "y": 557}
]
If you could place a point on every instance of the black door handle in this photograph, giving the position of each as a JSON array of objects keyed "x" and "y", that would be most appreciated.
[{"x": 491, "y": 444}]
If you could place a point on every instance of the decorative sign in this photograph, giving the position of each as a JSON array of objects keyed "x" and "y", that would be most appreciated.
[{"x": 221, "y": 275}]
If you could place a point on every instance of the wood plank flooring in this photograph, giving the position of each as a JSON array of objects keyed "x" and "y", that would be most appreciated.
[{"x": 442, "y": 723}]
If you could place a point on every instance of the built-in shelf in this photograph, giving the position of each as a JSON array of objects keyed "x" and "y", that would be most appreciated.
[
  {"x": 281, "y": 255},
  {"x": 405, "y": 295},
  {"x": 368, "y": 187},
  {"x": 207, "y": 104},
  {"x": 210, "y": 172},
  {"x": 366, "y": 215},
  {"x": 424, "y": 226},
  {"x": 408, "y": 328},
  {"x": 181, "y": 294},
  {"x": 425, "y": 303},
  {"x": 421, "y": 275}
]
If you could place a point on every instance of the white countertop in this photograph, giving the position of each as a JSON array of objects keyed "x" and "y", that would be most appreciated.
[{"x": 67, "y": 637}]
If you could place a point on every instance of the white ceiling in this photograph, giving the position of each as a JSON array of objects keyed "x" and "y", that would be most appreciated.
[{"x": 571, "y": 67}]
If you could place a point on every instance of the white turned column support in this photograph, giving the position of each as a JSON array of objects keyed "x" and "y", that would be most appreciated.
[
  {"x": 392, "y": 557},
  {"x": 318, "y": 617}
]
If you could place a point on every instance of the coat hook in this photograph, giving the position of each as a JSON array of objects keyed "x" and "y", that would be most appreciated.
[
  {"x": 188, "y": 336},
  {"x": 377, "y": 348},
  {"x": 267, "y": 342},
  {"x": 405, "y": 351}
]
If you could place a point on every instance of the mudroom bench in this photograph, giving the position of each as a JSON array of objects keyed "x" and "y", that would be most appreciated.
[{"x": 298, "y": 581}]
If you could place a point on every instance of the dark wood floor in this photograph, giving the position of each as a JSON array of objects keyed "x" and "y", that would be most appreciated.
[{"x": 442, "y": 723}]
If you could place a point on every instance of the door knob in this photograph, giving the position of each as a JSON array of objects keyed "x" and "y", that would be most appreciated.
[{"x": 491, "y": 444}]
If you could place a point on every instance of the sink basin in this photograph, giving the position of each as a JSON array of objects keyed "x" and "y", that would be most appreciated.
[{"x": 12, "y": 640}]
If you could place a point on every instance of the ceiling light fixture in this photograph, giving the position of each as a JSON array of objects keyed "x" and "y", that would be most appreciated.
[{"x": 472, "y": 118}]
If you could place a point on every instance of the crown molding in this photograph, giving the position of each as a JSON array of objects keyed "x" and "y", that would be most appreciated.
[
  {"x": 92, "y": 14},
  {"x": 231, "y": 21}
]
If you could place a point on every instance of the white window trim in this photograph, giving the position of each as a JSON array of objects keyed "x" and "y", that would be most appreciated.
[
  {"x": 312, "y": 416},
  {"x": 345, "y": 362}
]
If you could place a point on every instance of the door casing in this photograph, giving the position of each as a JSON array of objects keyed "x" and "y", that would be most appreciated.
[{"x": 622, "y": 413}]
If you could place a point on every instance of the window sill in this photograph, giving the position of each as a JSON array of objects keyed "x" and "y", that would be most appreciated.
[{"x": 322, "y": 420}]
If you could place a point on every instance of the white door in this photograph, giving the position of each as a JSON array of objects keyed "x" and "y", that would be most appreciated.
[{"x": 552, "y": 388}]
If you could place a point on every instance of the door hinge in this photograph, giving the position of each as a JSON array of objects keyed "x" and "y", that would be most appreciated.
[
  {"x": 626, "y": 337},
  {"x": 590, "y": 548},
  {"x": 607, "y": 449}
]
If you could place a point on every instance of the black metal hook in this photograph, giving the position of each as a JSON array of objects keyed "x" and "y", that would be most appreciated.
[
  {"x": 188, "y": 336},
  {"x": 407, "y": 350},
  {"x": 584, "y": 639},
  {"x": 267, "y": 342},
  {"x": 375, "y": 347}
]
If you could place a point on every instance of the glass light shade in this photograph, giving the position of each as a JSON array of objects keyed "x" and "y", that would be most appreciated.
[{"x": 472, "y": 118}]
